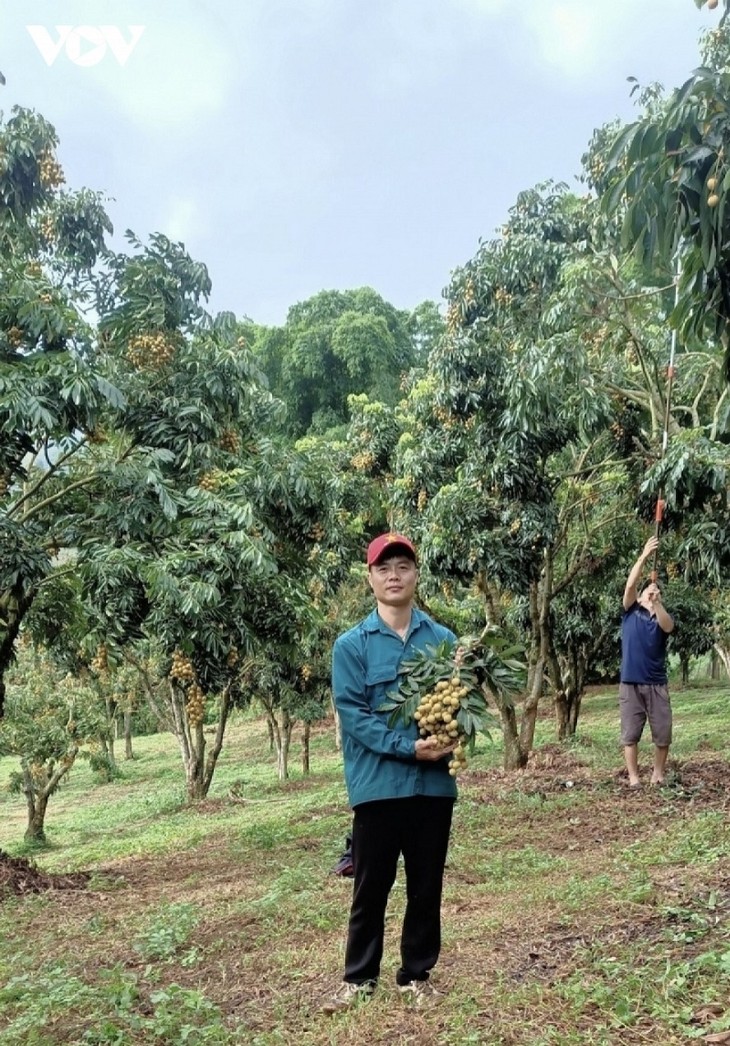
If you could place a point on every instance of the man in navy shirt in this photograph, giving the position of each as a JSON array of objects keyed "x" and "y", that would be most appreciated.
[
  {"x": 643, "y": 693},
  {"x": 398, "y": 784}
]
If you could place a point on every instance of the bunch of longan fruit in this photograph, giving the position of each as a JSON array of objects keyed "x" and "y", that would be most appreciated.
[
  {"x": 437, "y": 716},
  {"x": 183, "y": 672},
  {"x": 182, "y": 667},
  {"x": 150, "y": 350},
  {"x": 50, "y": 171},
  {"x": 100, "y": 661},
  {"x": 195, "y": 705}
]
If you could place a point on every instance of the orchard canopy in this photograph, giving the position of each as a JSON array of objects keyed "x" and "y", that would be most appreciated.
[{"x": 187, "y": 496}]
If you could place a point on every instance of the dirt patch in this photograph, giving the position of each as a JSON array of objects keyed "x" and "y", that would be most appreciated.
[
  {"x": 18, "y": 875},
  {"x": 553, "y": 770},
  {"x": 706, "y": 783}
]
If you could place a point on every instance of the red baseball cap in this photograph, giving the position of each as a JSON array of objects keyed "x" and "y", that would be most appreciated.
[{"x": 378, "y": 546}]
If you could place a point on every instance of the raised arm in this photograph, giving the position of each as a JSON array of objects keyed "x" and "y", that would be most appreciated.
[{"x": 630, "y": 593}]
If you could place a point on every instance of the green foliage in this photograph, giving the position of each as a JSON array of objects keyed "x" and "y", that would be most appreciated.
[
  {"x": 170, "y": 929},
  {"x": 174, "y": 1014},
  {"x": 692, "y": 611},
  {"x": 485, "y": 663},
  {"x": 50, "y": 716},
  {"x": 335, "y": 344},
  {"x": 667, "y": 177}
]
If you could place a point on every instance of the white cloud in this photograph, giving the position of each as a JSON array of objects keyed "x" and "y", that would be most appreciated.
[
  {"x": 182, "y": 219},
  {"x": 483, "y": 7},
  {"x": 568, "y": 35},
  {"x": 180, "y": 72},
  {"x": 175, "y": 69}
]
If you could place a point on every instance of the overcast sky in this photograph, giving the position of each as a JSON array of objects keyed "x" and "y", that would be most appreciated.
[{"x": 296, "y": 145}]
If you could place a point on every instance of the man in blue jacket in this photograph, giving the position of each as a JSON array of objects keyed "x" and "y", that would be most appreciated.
[
  {"x": 643, "y": 692},
  {"x": 398, "y": 784}
]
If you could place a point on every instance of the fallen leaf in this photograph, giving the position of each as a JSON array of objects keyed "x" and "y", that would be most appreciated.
[{"x": 708, "y": 1012}]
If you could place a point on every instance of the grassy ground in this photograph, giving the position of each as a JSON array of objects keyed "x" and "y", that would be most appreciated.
[{"x": 576, "y": 911}]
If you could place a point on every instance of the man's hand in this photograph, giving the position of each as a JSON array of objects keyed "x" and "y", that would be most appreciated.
[
  {"x": 651, "y": 546},
  {"x": 430, "y": 750}
]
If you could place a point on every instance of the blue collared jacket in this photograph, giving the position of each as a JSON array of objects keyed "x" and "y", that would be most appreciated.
[{"x": 380, "y": 761}]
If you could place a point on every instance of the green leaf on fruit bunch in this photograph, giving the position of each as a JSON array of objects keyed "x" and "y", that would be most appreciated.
[
  {"x": 496, "y": 663},
  {"x": 473, "y": 722},
  {"x": 401, "y": 707},
  {"x": 417, "y": 676},
  {"x": 467, "y": 723}
]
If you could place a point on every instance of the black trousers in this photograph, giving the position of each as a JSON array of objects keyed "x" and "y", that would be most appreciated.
[{"x": 417, "y": 827}]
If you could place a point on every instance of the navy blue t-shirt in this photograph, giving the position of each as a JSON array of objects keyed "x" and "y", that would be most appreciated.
[{"x": 643, "y": 647}]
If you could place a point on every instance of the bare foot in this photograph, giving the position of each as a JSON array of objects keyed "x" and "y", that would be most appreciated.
[
  {"x": 657, "y": 780},
  {"x": 634, "y": 782}
]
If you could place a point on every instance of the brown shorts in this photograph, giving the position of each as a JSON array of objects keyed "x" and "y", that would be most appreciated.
[{"x": 641, "y": 702}]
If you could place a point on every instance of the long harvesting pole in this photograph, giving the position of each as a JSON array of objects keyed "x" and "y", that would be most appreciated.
[{"x": 660, "y": 503}]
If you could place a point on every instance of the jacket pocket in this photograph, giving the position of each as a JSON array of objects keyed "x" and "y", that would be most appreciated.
[{"x": 380, "y": 679}]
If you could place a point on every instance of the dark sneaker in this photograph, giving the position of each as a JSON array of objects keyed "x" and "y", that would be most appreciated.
[
  {"x": 420, "y": 993},
  {"x": 348, "y": 996}
]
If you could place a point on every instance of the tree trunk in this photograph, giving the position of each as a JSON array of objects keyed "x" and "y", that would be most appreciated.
[
  {"x": 684, "y": 665},
  {"x": 724, "y": 655},
  {"x": 35, "y": 831},
  {"x": 270, "y": 727},
  {"x": 191, "y": 740},
  {"x": 714, "y": 666},
  {"x": 282, "y": 753},
  {"x": 199, "y": 770},
  {"x": 215, "y": 751},
  {"x": 36, "y": 802},
  {"x": 14, "y": 605},
  {"x": 280, "y": 729},
  {"x": 492, "y": 606},
  {"x": 110, "y": 705},
  {"x": 128, "y": 753},
  {"x": 195, "y": 768},
  {"x": 538, "y": 657},
  {"x": 515, "y": 758},
  {"x": 305, "y": 748},
  {"x": 575, "y": 712},
  {"x": 37, "y": 797}
]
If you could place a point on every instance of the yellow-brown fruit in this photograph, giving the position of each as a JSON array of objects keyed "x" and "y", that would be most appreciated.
[
  {"x": 100, "y": 661},
  {"x": 363, "y": 461},
  {"x": 50, "y": 171},
  {"x": 210, "y": 481},
  {"x": 15, "y": 336},
  {"x": 148, "y": 351},
  {"x": 713, "y": 200},
  {"x": 182, "y": 668},
  {"x": 712, "y": 184},
  {"x": 230, "y": 441},
  {"x": 712, "y": 4}
]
